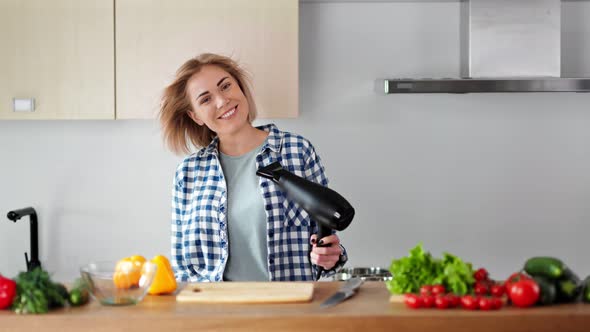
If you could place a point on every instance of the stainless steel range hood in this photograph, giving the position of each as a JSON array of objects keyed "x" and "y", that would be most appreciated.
[{"x": 506, "y": 46}]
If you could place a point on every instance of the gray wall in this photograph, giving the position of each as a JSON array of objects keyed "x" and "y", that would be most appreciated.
[{"x": 493, "y": 178}]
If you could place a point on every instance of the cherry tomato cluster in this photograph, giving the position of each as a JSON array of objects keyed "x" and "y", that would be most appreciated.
[
  {"x": 435, "y": 296},
  {"x": 431, "y": 296},
  {"x": 487, "y": 295},
  {"x": 484, "y": 286}
]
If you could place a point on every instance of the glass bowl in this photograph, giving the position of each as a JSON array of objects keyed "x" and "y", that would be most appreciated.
[{"x": 118, "y": 283}]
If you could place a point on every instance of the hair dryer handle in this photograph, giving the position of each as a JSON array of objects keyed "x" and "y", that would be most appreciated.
[{"x": 323, "y": 231}]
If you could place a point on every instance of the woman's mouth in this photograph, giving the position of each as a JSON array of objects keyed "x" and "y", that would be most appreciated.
[{"x": 229, "y": 113}]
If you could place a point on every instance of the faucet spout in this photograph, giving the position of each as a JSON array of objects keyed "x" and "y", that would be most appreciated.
[{"x": 15, "y": 215}]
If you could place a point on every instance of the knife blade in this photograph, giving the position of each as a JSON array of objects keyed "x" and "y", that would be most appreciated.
[{"x": 347, "y": 290}]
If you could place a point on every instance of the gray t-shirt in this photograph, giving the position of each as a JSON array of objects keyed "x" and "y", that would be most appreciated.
[{"x": 246, "y": 219}]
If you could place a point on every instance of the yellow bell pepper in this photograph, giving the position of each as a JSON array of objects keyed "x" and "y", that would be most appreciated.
[
  {"x": 164, "y": 281},
  {"x": 128, "y": 272}
]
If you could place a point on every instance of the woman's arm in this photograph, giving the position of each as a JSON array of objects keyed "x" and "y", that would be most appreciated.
[{"x": 314, "y": 171}]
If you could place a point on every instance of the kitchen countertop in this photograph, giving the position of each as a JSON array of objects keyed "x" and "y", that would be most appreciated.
[{"x": 368, "y": 310}]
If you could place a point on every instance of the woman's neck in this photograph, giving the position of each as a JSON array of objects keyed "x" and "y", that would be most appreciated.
[{"x": 242, "y": 142}]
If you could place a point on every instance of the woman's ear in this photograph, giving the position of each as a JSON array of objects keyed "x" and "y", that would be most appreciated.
[{"x": 195, "y": 117}]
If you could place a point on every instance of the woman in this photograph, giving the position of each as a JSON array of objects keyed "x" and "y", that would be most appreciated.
[{"x": 228, "y": 223}]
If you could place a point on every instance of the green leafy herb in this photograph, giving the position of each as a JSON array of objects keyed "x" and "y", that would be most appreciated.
[
  {"x": 421, "y": 268},
  {"x": 36, "y": 293}
]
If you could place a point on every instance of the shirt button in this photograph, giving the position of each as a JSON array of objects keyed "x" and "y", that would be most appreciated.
[
  {"x": 297, "y": 222},
  {"x": 271, "y": 261},
  {"x": 178, "y": 222}
]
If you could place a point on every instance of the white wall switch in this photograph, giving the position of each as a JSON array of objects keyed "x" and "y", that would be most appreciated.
[{"x": 23, "y": 104}]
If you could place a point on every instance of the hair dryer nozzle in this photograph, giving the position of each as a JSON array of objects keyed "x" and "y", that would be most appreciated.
[{"x": 271, "y": 171}]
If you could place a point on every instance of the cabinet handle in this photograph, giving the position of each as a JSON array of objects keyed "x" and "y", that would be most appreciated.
[{"x": 23, "y": 104}]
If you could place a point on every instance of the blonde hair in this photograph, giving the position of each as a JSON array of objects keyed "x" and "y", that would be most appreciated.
[{"x": 179, "y": 130}]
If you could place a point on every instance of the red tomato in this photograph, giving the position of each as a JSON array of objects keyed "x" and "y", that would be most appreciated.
[
  {"x": 469, "y": 302},
  {"x": 515, "y": 277},
  {"x": 442, "y": 301},
  {"x": 486, "y": 303},
  {"x": 454, "y": 300},
  {"x": 524, "y": 293},
  {"x": 426, "y": 290},
  {"x": 481, "y": 274},
  {"x": 497, "y": 290},
  {"x": 497, "y": 302},
  {"x": 7, "y": 292},
  {"x": 481, "y": 288},
  {"x": 413, "y": 301},
  {"x": 438, "y": 289},
  {"x": 427, "y": 301}
]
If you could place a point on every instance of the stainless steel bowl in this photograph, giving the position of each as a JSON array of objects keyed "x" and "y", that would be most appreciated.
[{"x": 365, "y": 273}]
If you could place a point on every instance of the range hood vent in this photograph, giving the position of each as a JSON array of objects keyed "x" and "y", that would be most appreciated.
[{"x": 506, "y": 46}]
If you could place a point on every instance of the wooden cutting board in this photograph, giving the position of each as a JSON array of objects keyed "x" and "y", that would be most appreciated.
[
  {"x": 396, "y": 298},
  {"x": 246, "y": 292}
]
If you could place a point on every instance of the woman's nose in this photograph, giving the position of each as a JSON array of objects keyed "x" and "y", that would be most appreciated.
[{"x": 222, "y": 101}]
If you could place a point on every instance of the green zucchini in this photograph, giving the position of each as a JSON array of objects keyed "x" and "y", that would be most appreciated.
[
  {"x": 586, "y": 290},
  {"x": 548, "y": 291},
  {"x": 549, "y": 267},
  {"x": 57, "y": 295},
  {"x": 568, "y": 287}
]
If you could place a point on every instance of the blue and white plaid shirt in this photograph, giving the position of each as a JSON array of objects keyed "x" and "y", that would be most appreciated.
[{"x": 199, "y": 213}]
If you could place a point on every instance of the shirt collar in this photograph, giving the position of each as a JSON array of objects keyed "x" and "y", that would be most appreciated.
[{"x": 273, "y": 141}]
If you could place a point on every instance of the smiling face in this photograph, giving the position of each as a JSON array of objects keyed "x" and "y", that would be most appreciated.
[{"x": 217, "y": 101}]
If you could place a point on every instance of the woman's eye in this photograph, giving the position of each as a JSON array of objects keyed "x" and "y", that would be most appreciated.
[
  {"x": 225, "y": 86},
  {"x": 204, "y": 100}
]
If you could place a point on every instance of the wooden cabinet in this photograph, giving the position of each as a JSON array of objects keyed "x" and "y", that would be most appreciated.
[
  {"x": 75, "y": 58},
  {"x": 154, "y": 37},
  {"x": 61, "y": 53}
]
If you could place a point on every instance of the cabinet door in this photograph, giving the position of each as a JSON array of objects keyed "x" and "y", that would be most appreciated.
[
  {"x": 61, "y": 53},
  {"x": 154, "y": 37}
]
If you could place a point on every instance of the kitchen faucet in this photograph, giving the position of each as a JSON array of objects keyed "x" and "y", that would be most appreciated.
[{"x": 16, "y": 215}]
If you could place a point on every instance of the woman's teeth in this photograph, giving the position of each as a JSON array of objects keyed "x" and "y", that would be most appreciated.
[{"x": 228, "y": 114}]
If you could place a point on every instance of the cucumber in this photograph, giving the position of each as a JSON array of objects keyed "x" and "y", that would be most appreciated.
[
  {"x": 568, "y": 287},
  {"x": 79, "y": 293},
  {"x": 550, "y": 267},
  {"x": 586, "y": 290},
  {"x": 548, "y": 291}
]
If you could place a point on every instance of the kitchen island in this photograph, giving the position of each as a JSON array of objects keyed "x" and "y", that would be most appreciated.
[{"x": 368, "y": 310}]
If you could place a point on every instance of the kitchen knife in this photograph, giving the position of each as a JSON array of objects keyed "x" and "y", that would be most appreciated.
[{"x": 346, "y": 291}]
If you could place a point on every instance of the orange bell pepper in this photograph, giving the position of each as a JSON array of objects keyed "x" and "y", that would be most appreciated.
[{"x": 164, "y": 281}]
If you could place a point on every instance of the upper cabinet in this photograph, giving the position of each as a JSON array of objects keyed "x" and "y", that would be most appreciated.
[
  {"x": 59, "y": 53},
  {"x": 154, "y": 37}
]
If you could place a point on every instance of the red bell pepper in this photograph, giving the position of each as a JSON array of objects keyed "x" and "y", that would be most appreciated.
[{"x": 7, "y": 292}]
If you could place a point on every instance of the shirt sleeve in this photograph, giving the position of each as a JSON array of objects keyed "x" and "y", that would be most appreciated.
[
  {"x": 181, "y": 272},
  {"x": 315, "y": 171}
]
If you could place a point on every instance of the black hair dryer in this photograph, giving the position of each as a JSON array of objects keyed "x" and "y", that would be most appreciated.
[
  {"x": 326, "y": 207},
  {"x": 15, "y": 215}
]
